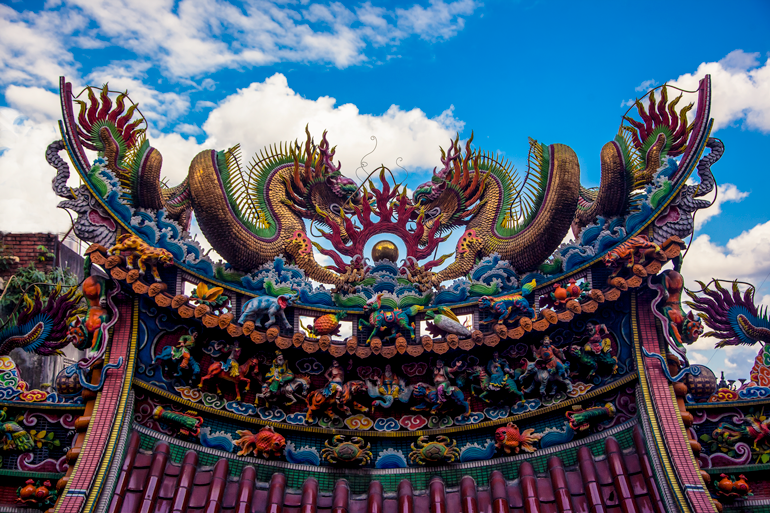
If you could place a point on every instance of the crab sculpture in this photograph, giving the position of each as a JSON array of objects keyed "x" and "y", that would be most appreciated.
[
  {"x": 355, "y": 452},
  {"x": 441, "y": 450}
]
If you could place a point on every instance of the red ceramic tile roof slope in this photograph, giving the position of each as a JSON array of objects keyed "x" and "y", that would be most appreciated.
[{"x": 617, "y": 483}]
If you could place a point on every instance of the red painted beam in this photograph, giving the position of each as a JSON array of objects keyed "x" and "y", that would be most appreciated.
[
  {"x": 125, "y": 474},
  {"x": 499, "y": 493},
  {"x": 374, "y": 502},
  {"x": 405, "y": 497},
  {"x": 620, "y": 476},
  {"x": 437, "y": 496},
  {"x": 217, "y": 487},
  {"x": 246, "y": 490},
  {"x": 529, "y": 488},
  {"x": 559, "y": 484},
  {"x": 590, "y": 480},
  {"x": 341, "y": 497},
  {"x": 275, "y": 494},
  {"x": 184, "y": 484},
  {"x": 154, "y": 477}
]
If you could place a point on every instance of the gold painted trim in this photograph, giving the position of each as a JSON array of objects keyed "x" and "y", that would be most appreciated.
[{"x": 388, "y": 434}]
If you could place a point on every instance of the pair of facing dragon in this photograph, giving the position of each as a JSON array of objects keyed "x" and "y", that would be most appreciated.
[{"x": 251, "y": 216}]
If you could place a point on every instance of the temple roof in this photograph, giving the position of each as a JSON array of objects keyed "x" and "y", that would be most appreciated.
[{"x": 150, "y": 482}]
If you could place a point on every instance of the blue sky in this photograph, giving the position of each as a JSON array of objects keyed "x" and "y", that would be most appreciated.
[{"x": 214, "y": 73}]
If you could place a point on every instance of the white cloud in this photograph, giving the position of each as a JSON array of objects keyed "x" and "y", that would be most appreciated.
[
  {"x": 284, "y": 114},
  {"x": 192, "y": 37},
  {"x": 645, "y": 86},
  {"x": 741, "y": 89},
  {"x": 158, "y": 107},
  {"x": 32, "y": 48},
  {"x": 38, "y": 104},
  {"x": 725, "y": 193},
  {"x": 28, "y": 202},
  {"x": 745, "y": 257}
]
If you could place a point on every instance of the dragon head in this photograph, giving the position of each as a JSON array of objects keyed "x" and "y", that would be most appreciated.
[
  {"x": 451, "y": 197},
  {"x": 317, "y": 190},
  {"x": 692, "y": 328}
]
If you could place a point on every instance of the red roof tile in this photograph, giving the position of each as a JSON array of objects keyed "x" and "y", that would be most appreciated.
[{"x": 616, "y": 483}]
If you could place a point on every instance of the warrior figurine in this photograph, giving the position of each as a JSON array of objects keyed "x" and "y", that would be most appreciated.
[
  {"x": 499, "y": 371},
  {"x": 441, "y": 379},
  {"x": 231, "y": 364},
  {"x": 279, "y": 373},
  {"x": 336, "y": 378},
  {"x": 181, "y": 351}
]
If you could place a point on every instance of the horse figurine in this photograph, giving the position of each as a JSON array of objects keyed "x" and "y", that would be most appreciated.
[
  {"x": 430, "y": 400},
  {"x": 298, "y": 386},
  {"x": 325, "y": 401},
  {"x": 245, "y": 372}
]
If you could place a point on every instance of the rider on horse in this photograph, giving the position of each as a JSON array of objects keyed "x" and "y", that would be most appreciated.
[
  {"x": 231, "y": 364},
  {"x": 279, "y": 373},
  {"x": 499, "y": 372}
]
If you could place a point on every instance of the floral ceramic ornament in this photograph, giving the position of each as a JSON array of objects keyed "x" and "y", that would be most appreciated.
[
  {"x": 441, "y": 450},
  {"x": 355, "y": 452},
  {"x": 212, "y": 297}
]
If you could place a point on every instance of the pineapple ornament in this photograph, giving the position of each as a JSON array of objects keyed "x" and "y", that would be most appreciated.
[{"x": 328, "y": 324}]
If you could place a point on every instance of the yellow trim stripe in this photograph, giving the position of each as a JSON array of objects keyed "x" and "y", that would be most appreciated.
[{"x": 648, "y": 404}]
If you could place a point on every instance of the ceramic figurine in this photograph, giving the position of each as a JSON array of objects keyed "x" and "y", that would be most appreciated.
[
  {"x": 15, "y": 438},
  {"x": 328, "y": 324},
  {"x": 441, "y": 450},
  {"x": 572, "y": 291},
  {"x": 142, "y": 255},
  {"x": 497, "y": 379},
  {"x": 187, "y": 424},
  {"x": 443, "y": 395},
  {"x": 387, "y": 323},
  {"x": 509, "y": 308},
  {"x": 355, "y": 452},
  {"x": 444, "y": 319},
  {"x": 596, "y": 353},
  {"x": 86, "y": 333},
  {"x": 179, "y": 360},
  {"x": 281, "y": 382},
  {"x": 230, "y": 370},
  {"x": 510, "y": 440},
  {"x": 256, "y": 308},
  {"x": 580, "y": 419},
  {"x": 266, "y": 443},
  {"x": 549, "y": 370},
  {"x": 387, "y": 388}
]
